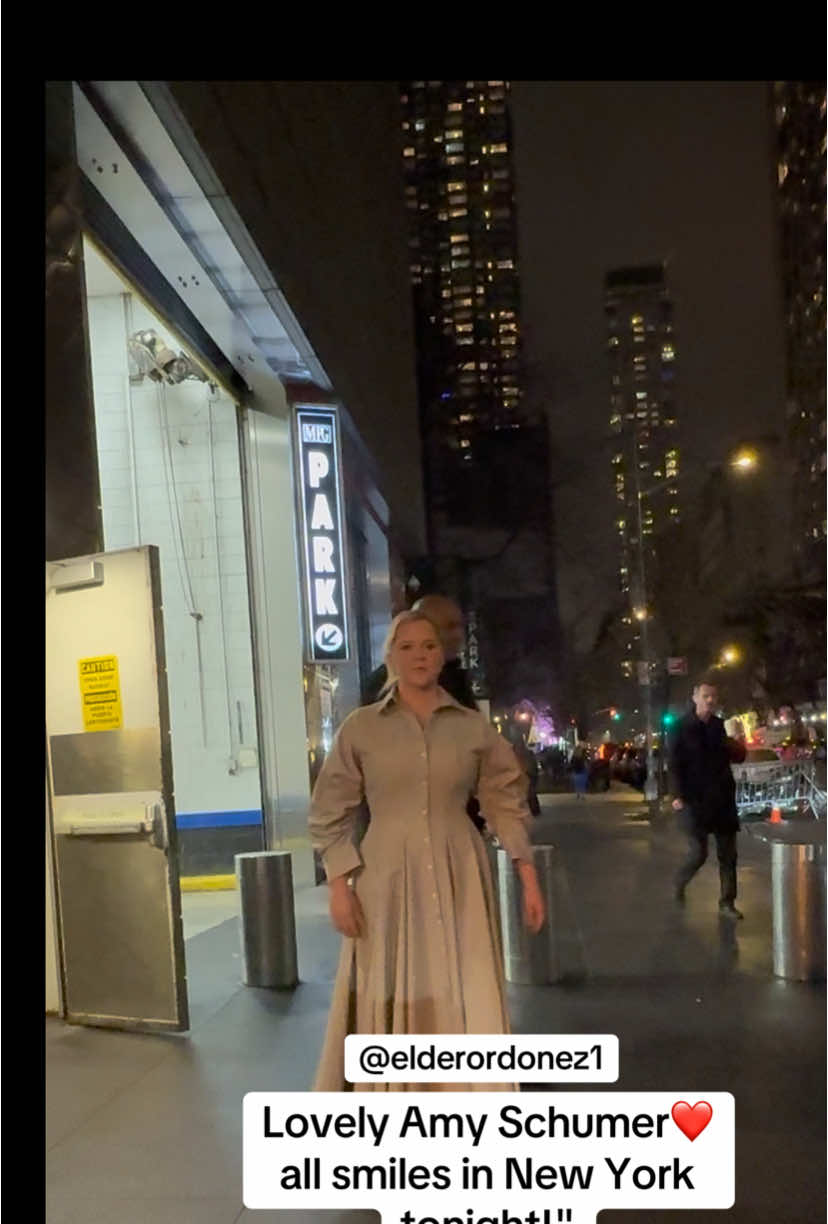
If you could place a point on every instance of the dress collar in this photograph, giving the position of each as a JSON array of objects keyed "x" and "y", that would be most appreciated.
[{"x": 391, "y": 699}]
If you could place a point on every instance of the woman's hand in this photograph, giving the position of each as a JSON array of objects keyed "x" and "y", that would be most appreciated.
[
  {"x": 534, "y": 910},
  {"x": 345, "y": 909}
]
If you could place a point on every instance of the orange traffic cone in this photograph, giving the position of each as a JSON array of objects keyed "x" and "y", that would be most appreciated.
[{"x": 776, "y": 815}]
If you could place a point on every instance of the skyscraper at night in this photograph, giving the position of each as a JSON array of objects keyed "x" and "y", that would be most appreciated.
[
  {"x": 485, "y": 447},
  {"x": 799, "y": 108},
  {"x": 645, "y": 461}
]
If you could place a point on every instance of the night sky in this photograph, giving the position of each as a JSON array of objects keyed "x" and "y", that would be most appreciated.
[{"x": 614, "y": 174}]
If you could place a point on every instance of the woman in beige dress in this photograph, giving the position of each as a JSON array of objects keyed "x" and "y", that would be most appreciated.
[{"x": 415, "y": 901}]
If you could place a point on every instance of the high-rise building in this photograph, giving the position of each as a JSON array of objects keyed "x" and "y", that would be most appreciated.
[
  {"x": 799, "y": 111},
  {"x": 485, "y": 447},
  {"x": 645, "y": 461}
]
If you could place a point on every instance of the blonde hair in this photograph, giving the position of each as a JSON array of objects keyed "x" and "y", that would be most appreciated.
[{"x": 410, "y": 617}]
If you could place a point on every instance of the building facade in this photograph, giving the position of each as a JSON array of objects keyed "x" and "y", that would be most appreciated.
[
  {"x": 643, "y": 417},
  {"x": 189, "y": 410},
  {"x": 485, "y": 446},
  {"x": 799, "y": 115}
]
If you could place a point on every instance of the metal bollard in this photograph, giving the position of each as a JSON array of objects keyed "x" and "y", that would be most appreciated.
[
  {"x": 268, "y": 926},
  {"x": 528, "y": 960},
  {"x": 798, "y": 897}
]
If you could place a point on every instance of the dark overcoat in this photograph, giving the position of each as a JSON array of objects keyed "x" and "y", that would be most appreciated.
[{"x": 700, "y": 759}]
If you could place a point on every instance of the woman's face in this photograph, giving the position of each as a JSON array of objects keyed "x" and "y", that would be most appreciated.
[{"x": 417, "y": 656}]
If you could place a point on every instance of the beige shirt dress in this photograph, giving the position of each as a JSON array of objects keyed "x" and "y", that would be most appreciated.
[{"x": 430, "y": 959}]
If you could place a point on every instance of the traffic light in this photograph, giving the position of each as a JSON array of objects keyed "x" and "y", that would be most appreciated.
[
  {"x": 615, "y": 715},
  {"x": 667, "y": 719}
]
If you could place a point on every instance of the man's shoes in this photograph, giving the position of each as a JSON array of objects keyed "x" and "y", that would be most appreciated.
[{"x": 728, "y": 910}]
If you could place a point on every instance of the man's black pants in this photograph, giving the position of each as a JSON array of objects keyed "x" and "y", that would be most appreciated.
[{"x": 697, "y": 855}]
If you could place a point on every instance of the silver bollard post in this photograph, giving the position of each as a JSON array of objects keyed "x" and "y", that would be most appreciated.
[
  {"x": 268, "y": 925},
  {"x": 798, "y": 897},
  {"x": 528, "y": 960}
]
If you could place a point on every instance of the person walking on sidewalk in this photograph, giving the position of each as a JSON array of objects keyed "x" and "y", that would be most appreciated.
[
  {"x": 704, "y": 792},
  {"x": 579, "y": 768},
  {"x": 415, "y": 901},
  {"x": 447, "y": 618}
]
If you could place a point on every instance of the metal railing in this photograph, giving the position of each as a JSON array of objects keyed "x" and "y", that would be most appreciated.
[{"x": 791, "y": 784}]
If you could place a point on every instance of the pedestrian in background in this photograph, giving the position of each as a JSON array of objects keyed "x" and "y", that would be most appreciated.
[
  {"x": 704, "y": 792},
  {"x": 579, "y": 769}
]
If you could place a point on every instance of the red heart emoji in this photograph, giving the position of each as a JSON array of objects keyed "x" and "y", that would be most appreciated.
[{"x": 692, "y": 1119}]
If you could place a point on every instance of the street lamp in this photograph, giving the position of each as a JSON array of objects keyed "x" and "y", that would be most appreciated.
[{"x": 745, "y": 460}]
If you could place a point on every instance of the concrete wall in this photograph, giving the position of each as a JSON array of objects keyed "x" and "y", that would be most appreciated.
[{"x": 313, "y": 168}]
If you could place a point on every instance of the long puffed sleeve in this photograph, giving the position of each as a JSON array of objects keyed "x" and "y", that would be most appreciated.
[
  {"x": 335, "y": 805},
  {"x": 502, "y": 791}
]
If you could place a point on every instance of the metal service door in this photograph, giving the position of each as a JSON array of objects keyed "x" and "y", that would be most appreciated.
[{"x": 110, "y": 779}]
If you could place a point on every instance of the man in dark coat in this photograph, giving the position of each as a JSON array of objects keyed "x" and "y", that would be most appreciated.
[
  {"x": 705, "y": 793},
  {"x": 447, "y": 619}
]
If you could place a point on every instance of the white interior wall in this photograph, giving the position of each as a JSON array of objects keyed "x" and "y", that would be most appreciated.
[{"x": 169, "y": 469}]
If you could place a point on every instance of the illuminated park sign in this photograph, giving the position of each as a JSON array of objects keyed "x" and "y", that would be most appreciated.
[{"x": 322, "y": 527}]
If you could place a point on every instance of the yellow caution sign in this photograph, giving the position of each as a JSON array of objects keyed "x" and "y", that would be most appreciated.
[{"x": 100, "y": 689}]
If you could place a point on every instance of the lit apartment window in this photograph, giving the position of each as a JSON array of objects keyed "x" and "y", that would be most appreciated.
[
  {"x": 465, "y": 442},
  {"x": 455, "y": 161},
  {"x": 454, "y": 134},
  {"x": 454, "y": 146},
  {"x": 408, "y": 151},
  {"x": 455, "y": 106},
  {"x": 505, "y": 264},
  {"x": 499, "y": 148},
  {"x": 667, "y": 352},
  {"x": 459, "y": 238}
]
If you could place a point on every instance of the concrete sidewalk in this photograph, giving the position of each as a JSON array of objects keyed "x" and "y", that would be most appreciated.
[{"x": 147, "y": 1130}]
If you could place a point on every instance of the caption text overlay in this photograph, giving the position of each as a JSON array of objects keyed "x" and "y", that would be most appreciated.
[{"x": 489, "y": 1157}]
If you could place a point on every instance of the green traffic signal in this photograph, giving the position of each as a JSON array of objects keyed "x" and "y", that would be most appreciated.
[{"x": 668, "y": 719}]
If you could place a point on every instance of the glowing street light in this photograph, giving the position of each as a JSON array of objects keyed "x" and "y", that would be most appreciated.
[
  {"x": 745, "y": 460},
  {"x": 640, "y": 614},
  {"x": 730, "y": 656}
]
